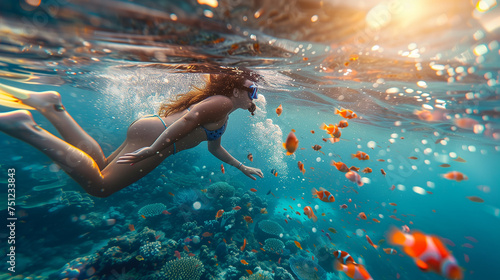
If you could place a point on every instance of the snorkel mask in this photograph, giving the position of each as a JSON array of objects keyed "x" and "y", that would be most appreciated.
[{"x": 252, "y": 91}]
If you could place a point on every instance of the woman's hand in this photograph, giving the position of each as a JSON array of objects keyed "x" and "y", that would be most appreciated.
[
  {"x": 136, "y": 156},
  {"x": 247, "y": 170}
]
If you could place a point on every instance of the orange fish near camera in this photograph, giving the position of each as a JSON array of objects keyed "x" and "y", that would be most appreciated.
[
  {"x": 310, "y": 214},
  {"x": 346, "y": 113},
  {"x": 360, "y": 155},
  {"x": 279, "y": 110},
  {"x": 354, "y": 271},
  {"x": 342, "y": 167},
  {"x": 301, "y": 167},
  {"x": 323, "y": 195},
  {"x": 291, "y": 144},
  {"x": 428, "y": 252},
  {"x": 455, "y": 175}
]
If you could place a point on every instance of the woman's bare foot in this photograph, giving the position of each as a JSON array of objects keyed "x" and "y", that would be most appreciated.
[
  {"x": 16, "y": 123},
  {"x": 45, "y": 101}
]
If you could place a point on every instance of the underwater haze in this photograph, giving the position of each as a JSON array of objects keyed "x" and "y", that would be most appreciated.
[{"x": 421, "y": 76}]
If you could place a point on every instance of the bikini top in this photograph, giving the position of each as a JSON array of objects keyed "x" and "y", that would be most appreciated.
[{"x": 214, "y": 134}]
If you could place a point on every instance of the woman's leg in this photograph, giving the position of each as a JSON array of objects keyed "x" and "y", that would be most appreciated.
[
  {"x": 48, "y": 103},
  {"x": 76, "y": 163}
]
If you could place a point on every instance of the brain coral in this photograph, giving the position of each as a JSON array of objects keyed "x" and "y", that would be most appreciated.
[
  {"x": 220, "y": 189},
  {"x": 270, "y": 227},
  {"x": 151, "y": 210},
  {"x": 182, "y": 269},
  {"x": 274, "y": 245},
  {"x": 307, "y": 269}
]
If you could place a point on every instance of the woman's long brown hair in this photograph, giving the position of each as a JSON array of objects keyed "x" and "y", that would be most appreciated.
[{"x": 217, "y": 84}]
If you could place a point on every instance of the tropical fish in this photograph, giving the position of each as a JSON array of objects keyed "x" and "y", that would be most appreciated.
[
  {"x": 177, "y": 254},
  {"x": 139, "y": 258},
  {"x": 390, "y": 251},
  {"x": 310, "y": 214},
  {"x": 222, "y": 169},
  {"x": 250, "y": 156},
  {"x": 455, "y": 175},
  {"x": 291, "y": 144},
  {"x": 248, "y": 219},
  {"x": 362, "y": 216},
  {"x": 207, "y": 234},
  {"x": 263, "y": 211},
  {"x": 370, "y": 241},
  {"x": 354, "y": 271},
  {"x": 343, "y": 123},
  {"x": 428, "y": 251},
  {"x": 343, "y": 257},
  {"x": 405, "y": 228},
  {"x": 360, "y": 155},
  {"x": 131, "y": 227},
  {"x": 244, "y": 262},
  {"x": 354, "y": 168},
  {"x": 353, "y": 176},
  {"x": 331, "y": 129},
  {"x": 279, "y": 110},
  {"x": 298, "y": 244},
  {"x": 343, "y": 206},
  {"x": 237, "y": 208},
  {"x": 301, "y": 167},
  {"x": 244, "y": 244},
  {"x": 332, "y": 230},
  {"x": 253, "y": 190},
  {"x": 274, "y": 172},
  {"x": 346, "y": 113},
  {"x": 382, "y": 171},
  {"x": 249, "y": 272},
  {"x": 219, "y": 214},
  {"x": 342, "y": 167},
  {"x": 367, "y": 170},
  {"x": 323, "y": 195}
]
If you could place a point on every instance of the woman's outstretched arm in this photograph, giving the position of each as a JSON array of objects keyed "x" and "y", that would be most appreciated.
[
  {"x": 219, "y": 152},
  {"x": 209, "y": 111}
]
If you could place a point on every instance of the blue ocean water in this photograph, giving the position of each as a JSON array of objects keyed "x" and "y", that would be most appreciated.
[{"x": 391, "y": 62}]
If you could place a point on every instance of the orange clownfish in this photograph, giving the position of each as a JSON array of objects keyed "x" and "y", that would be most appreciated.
[
  {"x": 244, "y": 262},
  {"x": 219, "y": 214},
  {"x": 367, "y": 170},
  {"x": 354, "y": 271},
  {"x": 222, "y": 169},
  {"x": 248, "y": 219},
  {"x": 323, "y": 195},
  {"x": 390, "y": 251},
  {"x": 331, "y": 129},
  {"x": 342, "y": 167},
  {"x": 455, "y": 175},
  {"x": 343, "y": 257},
  {"x": 301, "y": 167},
  {"x": 353, "y": 176},
  {"x": 310, "y": 214},
  {"x": 428, "y": 252},
  {"x": 360, "y": 155},
  {"x": 250, "y": 157},
  {"x": 291, "y": 144},
  {"x": 346, "y": 113},
  {"x": 343, "y": 123},
  {"x": 279, "y": 110}
]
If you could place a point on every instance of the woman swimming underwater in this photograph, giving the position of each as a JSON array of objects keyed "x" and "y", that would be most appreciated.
[{"x": 193, "y": 117}]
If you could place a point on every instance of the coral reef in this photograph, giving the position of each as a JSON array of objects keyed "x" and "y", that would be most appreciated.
[
  {"x": 271, "y": 227},
  {"x": 306, "y": 269},
  {"x": 220, "y": 190},
  {"x": 274, "y": 245},
  {"x": 152, "y": 210},
  {"x": 182, "y": 269}
]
